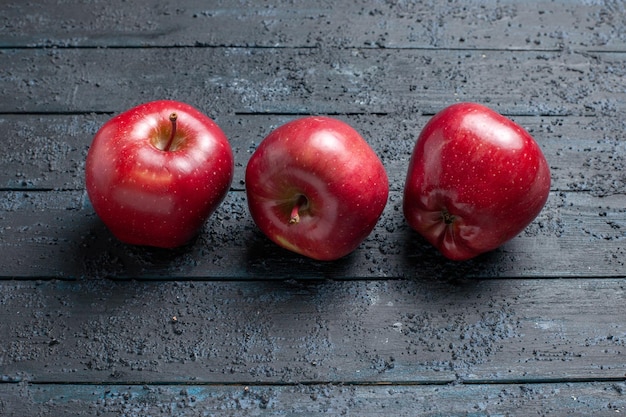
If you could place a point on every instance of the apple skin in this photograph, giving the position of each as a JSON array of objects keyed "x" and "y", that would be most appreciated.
[
  {"x": 475, "y": 180},
  {"x": 321, "y": 168},
  {"x": 147, "y": 195}
]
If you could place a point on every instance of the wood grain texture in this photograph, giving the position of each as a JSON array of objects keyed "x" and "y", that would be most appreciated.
[
  {"x": 507, "y": 24},
  {"x": 231, "y": 325},
  {"x": 57, "y": 234},
  {"x": 47, "y": 152},
  {"x": 574, "y": 400},
  {"x": 424, "y": 330},
  {"x": 312, "y": 80}
]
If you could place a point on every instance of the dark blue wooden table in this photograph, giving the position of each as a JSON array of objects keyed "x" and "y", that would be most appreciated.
[{"x": 231, "y": 325}]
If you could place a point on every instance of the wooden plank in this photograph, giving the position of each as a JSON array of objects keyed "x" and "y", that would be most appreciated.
[
  {"x": 536, "y": 25},
  {"x": 393, "y": 328},
  {"x": 47, "y": 152},
  {"x": 579, "y": 399},
  {"x": 418, "y": 331},
  {"x": 311, "y": 81},
  {"x": 57, "y": 234}
]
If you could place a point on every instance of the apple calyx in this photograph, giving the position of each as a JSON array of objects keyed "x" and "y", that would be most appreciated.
[
  {"x": 447, "y": 217},
  {"x": 301, "y": 203}
]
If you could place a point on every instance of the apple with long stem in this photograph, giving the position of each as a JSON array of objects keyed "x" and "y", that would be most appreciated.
[
  {"x": 156, "y": 172},
  {"x": 315, "y": 187},
  {"x": 476, "y": 179}
]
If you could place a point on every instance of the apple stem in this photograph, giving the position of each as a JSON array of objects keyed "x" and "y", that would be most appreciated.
[
  {"x": 170, "y": 142},
  {"x": 295, "y": 211}
]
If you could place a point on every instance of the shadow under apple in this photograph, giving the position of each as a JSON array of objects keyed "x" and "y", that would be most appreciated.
[
  {"x": 264, "y": 259},
  {"x": 422, "y": 260},
  {"x": 99, "y": 254}
]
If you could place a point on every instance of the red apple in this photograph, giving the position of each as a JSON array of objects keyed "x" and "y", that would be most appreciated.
[
  {"x": 315, "y": 187},
  {"x": 476, "y": 179},
  {"x": 156, "y": 172}
]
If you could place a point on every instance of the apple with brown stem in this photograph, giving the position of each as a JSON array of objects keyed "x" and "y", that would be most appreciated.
[
  {"x": 315, "y": 187},
  {"x": 156, "y": 172}
]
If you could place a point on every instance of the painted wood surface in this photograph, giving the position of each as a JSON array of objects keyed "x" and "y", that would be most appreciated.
[
  {"x": 394, "y": 331},
  {"x": 57, "y": 235},
  {"x": 334, "y": 81},
  {"x": 231, "y": 325},
  {"x": 571, "y": 399},
  {"x": 506, "y": 24}
]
